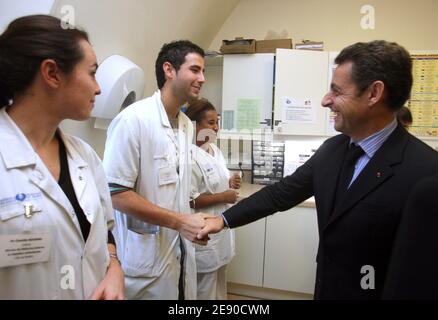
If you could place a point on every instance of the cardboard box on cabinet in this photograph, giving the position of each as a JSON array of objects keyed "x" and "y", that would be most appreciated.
[
  {"x": 270, "y": 46},
  {"x": 238, "y": 45}
]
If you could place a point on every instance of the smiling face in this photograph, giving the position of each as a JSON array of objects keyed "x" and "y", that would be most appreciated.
[
  {"x": 188, "y": 80},
  {"x": 207, "y": 128},
  {"x": 80, "y": 86},
  {"x": 350, "y": 109}
]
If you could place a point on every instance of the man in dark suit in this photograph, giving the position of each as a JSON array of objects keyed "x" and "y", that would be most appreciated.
[
  {"x": 360, "y": 179},
  {"x": 414, "y": 262}
]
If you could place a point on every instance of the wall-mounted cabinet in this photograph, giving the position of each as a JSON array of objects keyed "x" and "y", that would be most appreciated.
[
  {"x": 247, "y": 89},
  {"x": 212, "y": 88},
  {"x": 300, "y": 83}
]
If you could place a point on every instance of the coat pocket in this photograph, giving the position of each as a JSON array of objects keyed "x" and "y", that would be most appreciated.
[
  {"x": 21, "y": 218},
  {"x": 15, "y": 211},
  {"x": 140, "y": 254}
]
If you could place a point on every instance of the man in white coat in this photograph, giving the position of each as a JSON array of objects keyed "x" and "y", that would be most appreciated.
[{"x": 148, "y": 165}]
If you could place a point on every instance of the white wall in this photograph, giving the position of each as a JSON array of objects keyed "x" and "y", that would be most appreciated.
[
  {"x": 137, "y": 29},
  {"x": 17, "y": 8},
  {"x": 336, "y": 22}
]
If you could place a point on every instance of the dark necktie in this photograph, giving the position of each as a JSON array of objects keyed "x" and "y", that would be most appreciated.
[{"x": 347, "y": 170}]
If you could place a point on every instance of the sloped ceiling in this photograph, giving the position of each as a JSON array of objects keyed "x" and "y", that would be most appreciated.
[
  {"x": 138, "y": 28},
  {"x": 337, "y": 22}
]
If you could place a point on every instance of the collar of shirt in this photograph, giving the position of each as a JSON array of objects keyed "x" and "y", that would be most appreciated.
[{"x": 372, "y": 143}]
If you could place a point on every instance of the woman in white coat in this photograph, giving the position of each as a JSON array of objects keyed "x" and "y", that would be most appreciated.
[
  {"x": 55, "y": 206},
  {"x": 213, "y": 191}
]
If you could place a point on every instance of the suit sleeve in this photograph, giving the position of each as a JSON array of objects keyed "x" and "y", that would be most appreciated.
[
  {"x": 414, "y": 261},
  {"x": 281, "y": 196}
]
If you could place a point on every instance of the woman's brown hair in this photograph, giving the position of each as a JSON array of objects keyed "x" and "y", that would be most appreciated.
[
  {"x": 197, "y": 109},
  {"x": 27, "y": 42}
]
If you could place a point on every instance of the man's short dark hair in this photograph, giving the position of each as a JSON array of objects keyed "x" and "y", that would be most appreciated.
[
  {"x": 384, "y": 61},
  {"x": 175, "y": 53}
]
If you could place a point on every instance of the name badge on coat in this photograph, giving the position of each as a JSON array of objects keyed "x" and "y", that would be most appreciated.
[
  {"x": 167, "y": 175},
  {"x": 27, "y": 248}
]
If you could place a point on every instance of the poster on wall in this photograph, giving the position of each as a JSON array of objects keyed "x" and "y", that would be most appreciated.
[
  {"x": 330, "y": 127},
  {"x": 424, "y": 95},
  {"x": 248, "y": 114},
  {"x": 299, "y": 110}
]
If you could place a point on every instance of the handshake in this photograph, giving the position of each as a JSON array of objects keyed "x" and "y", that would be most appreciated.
[{"x": 196, "y": 227}]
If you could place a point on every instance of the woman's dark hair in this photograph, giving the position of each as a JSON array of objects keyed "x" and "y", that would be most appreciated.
[
  {"x": 27, "y": 42},
  {"x": 404, "y": 116},
  {"x": 197, "y": 109}
]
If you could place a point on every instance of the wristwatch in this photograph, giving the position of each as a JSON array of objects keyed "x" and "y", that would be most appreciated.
[
  {"x": 192, "y": 203},
  {"x": 114, "y": 256}
]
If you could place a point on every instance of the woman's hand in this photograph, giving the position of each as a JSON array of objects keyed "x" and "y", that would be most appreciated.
[
  {"x": 112, "y": 287},
  {"x": 229, "y": 196},
  {"x": 235, "y": 181}
]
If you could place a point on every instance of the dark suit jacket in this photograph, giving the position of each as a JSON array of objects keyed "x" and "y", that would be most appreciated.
[
  {"x": 362, "y": 229},
  {"x": 412, "y": 272}
]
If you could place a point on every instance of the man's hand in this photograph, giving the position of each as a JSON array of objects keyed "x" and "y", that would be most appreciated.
[
  {"x": 191, "y": 225},
  {"x": 213, "y": 224}
]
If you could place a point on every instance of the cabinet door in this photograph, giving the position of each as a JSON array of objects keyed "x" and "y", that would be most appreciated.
[
  {"x": 330, "y": 123},
  {"x": 247, "y": 91},
  {"x": 290, "y": 252},
  {"x": 300, "y": 84},
  {"x": 247, "y": 265}
]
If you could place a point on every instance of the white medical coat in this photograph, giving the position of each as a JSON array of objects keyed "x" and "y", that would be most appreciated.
[
  {"x": 74, "y": 268},
  {"x": 211, "y": 175},
  {"x": 140, "y": 143}
]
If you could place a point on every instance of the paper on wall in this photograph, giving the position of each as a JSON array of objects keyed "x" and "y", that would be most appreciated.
[
  {"x": 248, "y": 114},
  {"x": 297, "y": 152},
  {"x": 228, "y": 119},
  {"x": 299, "y": 110}
]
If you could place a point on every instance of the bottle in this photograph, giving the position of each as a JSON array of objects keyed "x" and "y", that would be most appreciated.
[{"x": 142, "y": 227}]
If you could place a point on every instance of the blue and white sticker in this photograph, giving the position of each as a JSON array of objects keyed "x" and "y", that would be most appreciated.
[{"x": 20, "y": 197}]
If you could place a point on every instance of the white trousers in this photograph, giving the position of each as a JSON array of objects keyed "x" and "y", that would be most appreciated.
[
  {"x": 164, "y": 287},
  {"x": 212, "y": 285}
]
